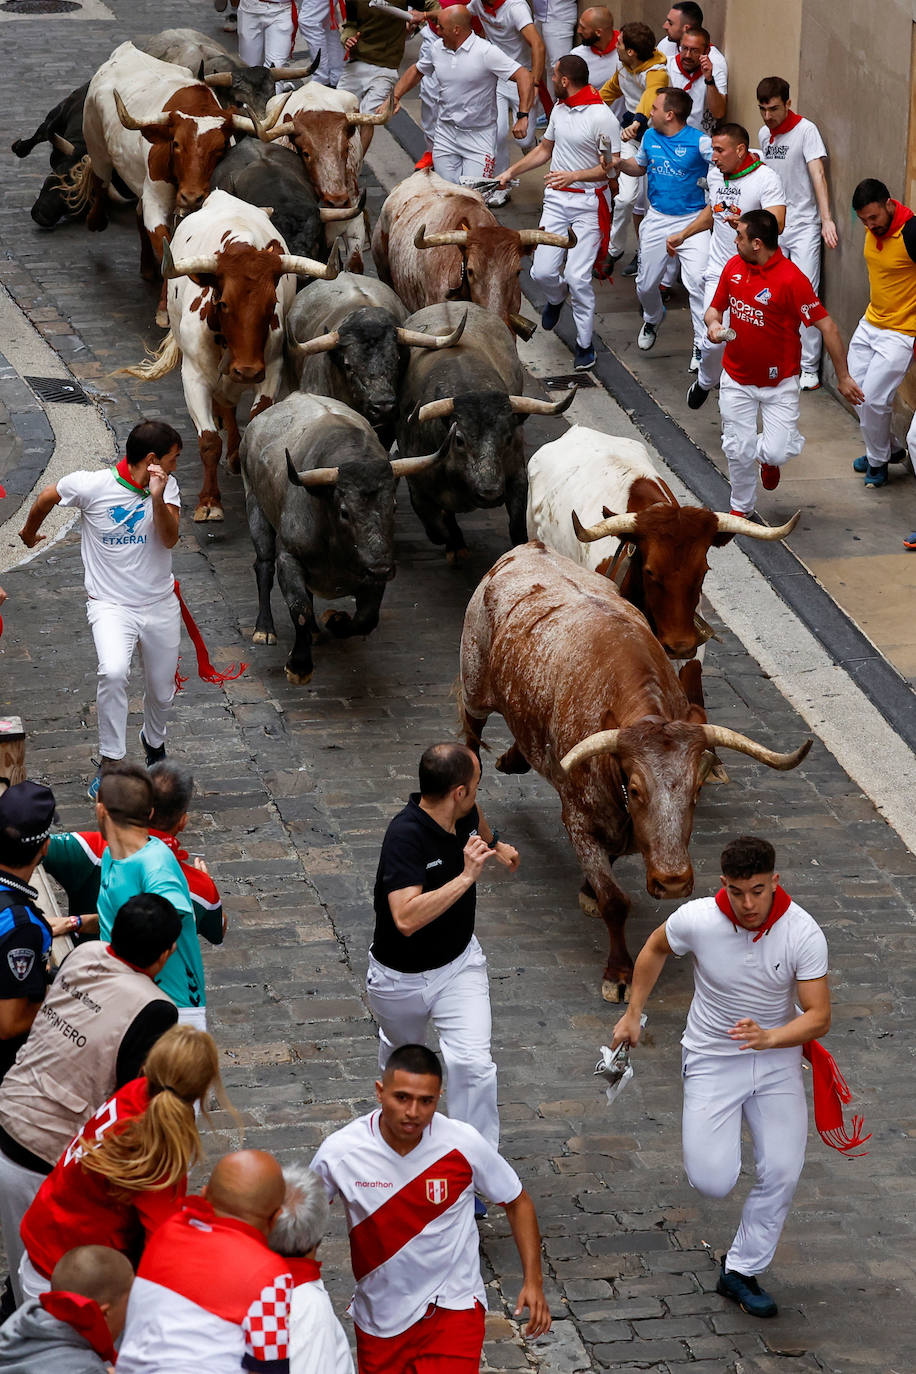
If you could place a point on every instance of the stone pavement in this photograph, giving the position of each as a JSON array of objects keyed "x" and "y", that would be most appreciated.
[{"x": 295, "y": 787}]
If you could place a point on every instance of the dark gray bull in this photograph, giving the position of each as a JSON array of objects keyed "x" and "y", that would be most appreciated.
[
  {"x": 348, "y": 341},
  {"x": 264, "y": 174},
  {"x": 476, "y": 388},
  {"x": 233, "y": 83},
  {"x": 62, "y": 128},
  {"x": 319, "y": 492}
]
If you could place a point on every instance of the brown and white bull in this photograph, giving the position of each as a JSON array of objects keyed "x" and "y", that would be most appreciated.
[
  {"x": 230, "y": 285},
  {"x": 163, "y": 133},
  {"x": 594, "y": 705},
  {"x": 434, "y": 241}
]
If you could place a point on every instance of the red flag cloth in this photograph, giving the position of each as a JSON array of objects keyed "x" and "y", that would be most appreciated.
[
  {"x": 604, "y": 224},
  {"x": 781, "y": 900},
  {"x": 85, "y": 1316},
  {"x": 787, "y": 125},
  {"x": 830, "y": 1092},
  {"x": 205, "y": 669},
  {"x": 901, "y": 214}
]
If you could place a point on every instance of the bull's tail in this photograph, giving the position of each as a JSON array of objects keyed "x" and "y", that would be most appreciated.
[
  {"x": 156, "y": 365},
  {"x": 76, "y": 185}
]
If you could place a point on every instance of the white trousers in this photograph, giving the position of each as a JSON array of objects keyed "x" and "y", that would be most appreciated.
[
  {"x": 429, "y": 107},
  {"x": 265, "y": 33},
  {"x": 459, "y": 152},
  {"x": 560, "y": 272},
  {"x": 803, "y": 247},
  {"x": 117, "y": 630},
  {"x": 654, "y": 262},
  {"x": 371, "y": 84},
  {"x": 315, "y": 27},
  {"x": 778, "y": 441},
  {"x": 878, "y": 362},
  {"x": 710, "y": 353},
  {"x": 630, "y": 199},
  {"x": 506, "y": 107},
  {"x": 558, "y": 31},
  {"x": 765, "y": 1089},
  {"x": 18, "y": 1187},
  {"x": 456, "y": 998}
]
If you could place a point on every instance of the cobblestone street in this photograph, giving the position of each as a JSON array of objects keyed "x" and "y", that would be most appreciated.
[{"x": 295, "y": 787}]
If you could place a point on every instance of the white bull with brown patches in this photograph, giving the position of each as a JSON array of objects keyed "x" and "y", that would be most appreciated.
[{"x": 230, "y": 284}]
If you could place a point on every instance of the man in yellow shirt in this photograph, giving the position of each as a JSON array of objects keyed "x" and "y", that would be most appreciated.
[{"x": 881, "y": 349}]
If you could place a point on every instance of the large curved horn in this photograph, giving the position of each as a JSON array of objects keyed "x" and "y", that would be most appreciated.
[
  {"x": 434, "y": 410},
  {"x": 718, "y": 737},
  {"x": 218, "y": 80},
  {"x": 294, "y": 73},
  {"x": 619, "y": 525},
  {"x": 307, "y": 267},
  {"x": 266, "y": 129},
  {"x": 185, "y": 267},
  {"x": 316, "y": 477},
  {"x": 530, "y": 405},
  {"x": 328, "y": 215},
  {"x": 414, "y": 338},
  {"x": 128, "y": 120},
  {"x": 530, "y": 236},
  {"x": 322, "y": 343},
  {"x": 736, "y": 524},
  {"x": 241, "y": 125},
  {"x": 62, "y": 145},
  {"x": 455, "y": 238},
  {"x": 605, "y": 742},
  {"x": 405, "y": 467},
  {"x": 381, "y": 116}
]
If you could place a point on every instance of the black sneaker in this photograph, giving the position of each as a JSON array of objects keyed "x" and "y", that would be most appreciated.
[
  {"x": 550, "y": 314},
  {"x": 746, "y": 1292},
  {"x": 155, "y": 753},
  {"x": 632, "y": 267},
  {"x": 585, "y": 358},
  {"x": 696, "y": 396}
]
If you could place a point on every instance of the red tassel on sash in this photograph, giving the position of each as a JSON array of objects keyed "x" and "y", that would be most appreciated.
[
  {"x": 830, "y": 1092},
  {"x": 205, "y": 669}
]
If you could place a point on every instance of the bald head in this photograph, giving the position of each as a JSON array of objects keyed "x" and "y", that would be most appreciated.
[
  {"x": 596, "y": 26},
  {"x": 249, "y": 1186},
  {"x": 454, "y": 25}
]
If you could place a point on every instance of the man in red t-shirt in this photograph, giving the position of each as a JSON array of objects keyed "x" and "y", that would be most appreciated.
[{"x": 767, "y": 298}]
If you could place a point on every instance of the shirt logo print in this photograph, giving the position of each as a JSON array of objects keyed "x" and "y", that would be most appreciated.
[
  {"x": 764, "y": 296},
  {"x": 20, "y": 962},
  {"x": 124, "y": 515},
  {"x": 437, "y": 1191}
]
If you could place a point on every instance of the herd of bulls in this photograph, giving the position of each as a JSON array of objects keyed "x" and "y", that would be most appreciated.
[{"x": 572, "y": 637}]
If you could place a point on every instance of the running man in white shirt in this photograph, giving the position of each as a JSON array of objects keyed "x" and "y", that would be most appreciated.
[
  {"x": 508, "y": 25},
  {"x": 701, "y": 71},
  {"x": 793, "y": 147},
  {"x": 581, "y": 128},
  {"x": 737, "y": 182},
  {"x": 467, "y": 70},
  {"x": 129, "y": 527},
  {"x": 760, "y": 994},
  {"x": 407, "y": 1176}
]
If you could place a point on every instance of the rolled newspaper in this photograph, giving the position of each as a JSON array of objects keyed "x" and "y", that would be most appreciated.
[{"x": 394, "y": 11}]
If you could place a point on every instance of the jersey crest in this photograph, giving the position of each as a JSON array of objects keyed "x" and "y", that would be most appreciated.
[
  {"x": 764, "y": 296},
  {"x": 21, "y": 962},
  {"x": 437, "y": 1191}
]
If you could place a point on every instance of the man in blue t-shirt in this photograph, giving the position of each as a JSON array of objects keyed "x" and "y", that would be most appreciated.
[{"x": 675, "y": 157}]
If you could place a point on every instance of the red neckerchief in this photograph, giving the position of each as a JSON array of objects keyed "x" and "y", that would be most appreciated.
[
  {"x": 603, "y": 52},
  {"x": 787, "y": 125},
  {"x": 123, "y": 471},
  {"x": 750, "y": 164},
  {"x": 172, "y": 842},
  {"x": 901, "y": 214},
  {"x": 493, "y": 6},
  {"x": 303, "y": 1270},
  {"x": 830, "y": 1092},
  {"x": 85, "y": 1316},
  {"x": 690, "y": 79},
  {"x": 587, "y": 96},
  {"x": 781, "y": 900}
]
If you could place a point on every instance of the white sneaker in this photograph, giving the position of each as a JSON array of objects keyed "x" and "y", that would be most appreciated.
[
  {"x": 694, "y": 364},
  {"x": 647, "y": 336},
  {"x": 810, "y": 381}
]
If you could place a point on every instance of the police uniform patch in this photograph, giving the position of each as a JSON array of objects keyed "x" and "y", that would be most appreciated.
[{"x": 21, "y": 962}]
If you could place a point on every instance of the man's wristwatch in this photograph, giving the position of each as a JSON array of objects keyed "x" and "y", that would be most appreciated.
[
  {"x": 709, "y": 80},
  {"x": 523, "y": 114}
]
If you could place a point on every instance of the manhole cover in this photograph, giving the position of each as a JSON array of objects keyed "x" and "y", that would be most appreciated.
[
  {"x": 39, "y": 6},
  {"x": 58, "y": 388}
]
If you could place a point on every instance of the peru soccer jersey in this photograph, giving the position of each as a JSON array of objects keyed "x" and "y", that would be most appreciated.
[
  {"x": 766, "y": 305},
  {"x": 413, "y": 1238}
]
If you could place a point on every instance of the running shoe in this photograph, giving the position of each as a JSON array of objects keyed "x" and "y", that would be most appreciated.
[
  {"x": 769, "y": 476},
  {"x": 694, "y": 364},
  {"x": 860, "y": 464},
  {"x": 910, "y": 542},
  {"x": 746, "y": 1292},
  {"x": 155, "y": 753},
  {"x": 585, "y": 358},
  {"x": 632, "y": 266},
  {"x": 809, "y": 381},
  {"x": 550, "y": 314},
  {"x": 696, "y": 396},
  {"x": 92, "y": 791},
  {"x": 877, "y": 476},
  {"x": 646, "y": 337}
]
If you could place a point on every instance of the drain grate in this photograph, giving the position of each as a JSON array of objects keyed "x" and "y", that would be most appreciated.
[
  {"x": 568, "y": 380},
  {"x": 58, "y": 388},
  {"x": 39, "y": 6}
]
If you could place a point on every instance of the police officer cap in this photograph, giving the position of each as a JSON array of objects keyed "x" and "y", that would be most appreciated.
[{"x": 28, "y": 808}]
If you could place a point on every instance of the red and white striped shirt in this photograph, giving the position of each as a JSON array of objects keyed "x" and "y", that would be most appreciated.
[{"x": 413, "y": 1238}]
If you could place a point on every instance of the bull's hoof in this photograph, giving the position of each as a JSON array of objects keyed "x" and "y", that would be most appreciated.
[
  {"x": 457, "y": 555},
  {"x": 615, "y": 992},
  {"x": 337, "y": 622},
  {"x": 264, "y": 637},
  {"x": 512, "y": 762},
  {"x": 201, "y": 514},
  {"x": 297, "y": 679},
  {"x": 233, "y": 463},
  {"x": 162, "y": 319},
  {"x": 589, "y": 904},
  {"x": 215, "y": 513}
]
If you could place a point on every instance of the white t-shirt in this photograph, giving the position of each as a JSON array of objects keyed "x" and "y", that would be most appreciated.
[
  {"x": 699, "y": 116},
  {"x": 503, "y": 29},
  {"x": 756, "y": 190},
  {"x": 580, "y": 133},
  {"x": 124, "y": 559},
  {"x": 735, "y": 977},
  {"x": 413, "y": 1238},
  {"x": 317, "y": 1341},
  {"x": 467, "y": 79},
  {"x": 788, "y": 156},
  {"x": 601, "y": 66}
]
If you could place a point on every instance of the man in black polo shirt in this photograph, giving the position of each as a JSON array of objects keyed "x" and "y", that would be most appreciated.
[
  {"x": 26, "y": 813},
  {"x": 425, "y": 961}
]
